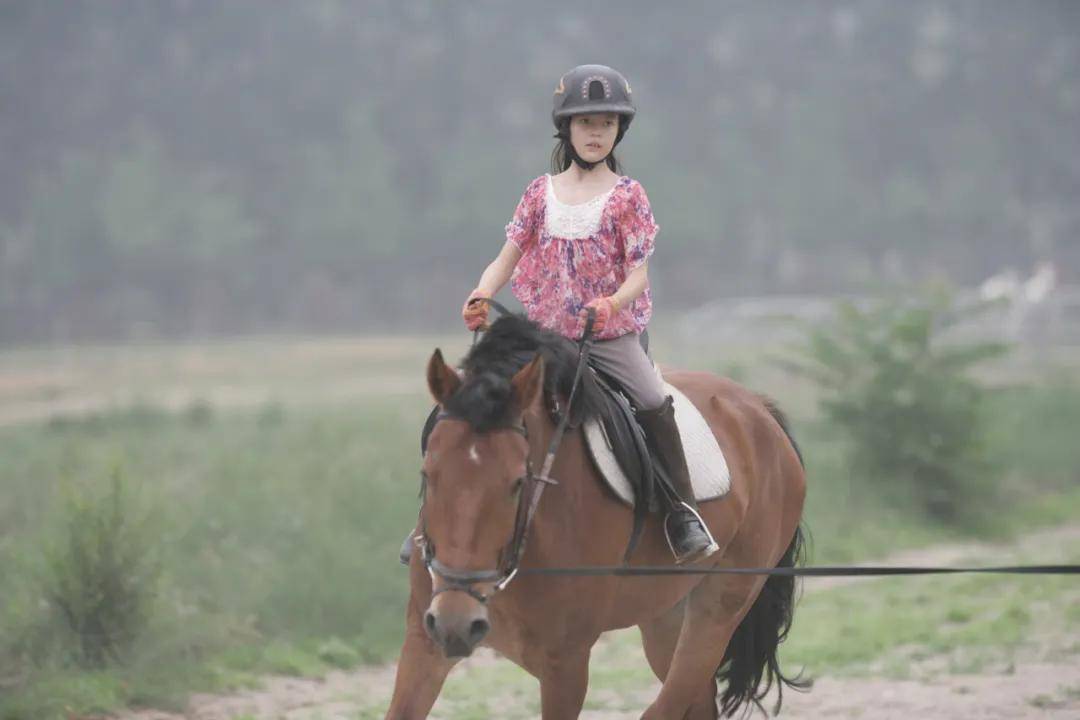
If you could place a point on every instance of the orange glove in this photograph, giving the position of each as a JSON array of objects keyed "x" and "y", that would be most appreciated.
[
  {"x": 475, "y": 315},
  {"x": 605, "y": 307}
]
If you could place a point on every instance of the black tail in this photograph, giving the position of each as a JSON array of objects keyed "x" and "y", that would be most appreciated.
[{"x": 751, "y": 655}]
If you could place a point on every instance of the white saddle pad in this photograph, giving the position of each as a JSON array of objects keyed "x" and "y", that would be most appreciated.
[{"x": 708, "y": 468}]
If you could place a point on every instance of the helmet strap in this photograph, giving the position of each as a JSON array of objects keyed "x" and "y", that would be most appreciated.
[
  {"x": 564, "y": 135},
  {"x": 581, "y": 162}
]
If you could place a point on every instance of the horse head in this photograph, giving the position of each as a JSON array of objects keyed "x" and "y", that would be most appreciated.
[{"x": 476, "y": 464}]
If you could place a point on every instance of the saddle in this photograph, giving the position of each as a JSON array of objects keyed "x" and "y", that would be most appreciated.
[{"x": 617, "y": 447}]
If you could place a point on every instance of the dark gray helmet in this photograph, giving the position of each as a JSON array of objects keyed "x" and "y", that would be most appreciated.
[{"x": 593, "y": 89}]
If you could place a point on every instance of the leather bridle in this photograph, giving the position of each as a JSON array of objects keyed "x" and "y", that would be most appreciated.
[{"x": 532, "y": 488}]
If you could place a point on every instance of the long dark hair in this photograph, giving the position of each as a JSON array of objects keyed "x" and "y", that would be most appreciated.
[{"x": 564, "y": 153}]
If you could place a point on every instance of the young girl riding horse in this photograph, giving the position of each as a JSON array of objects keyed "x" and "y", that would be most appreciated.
[{"x": 580, "y": 238}]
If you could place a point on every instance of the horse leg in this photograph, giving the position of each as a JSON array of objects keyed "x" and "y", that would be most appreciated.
[
  {"x": 715, "y": 609},
  {"x": 704, "y": 706},
  {"x": 564, "y": 679},
  {"x": 421, "y": 671},
  {"x": 659, "y": 637}
]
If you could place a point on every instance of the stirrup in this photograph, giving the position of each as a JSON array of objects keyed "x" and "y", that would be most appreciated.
[{"x": 696, "y": 555}]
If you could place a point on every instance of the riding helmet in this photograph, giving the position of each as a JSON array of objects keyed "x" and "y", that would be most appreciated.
[{"x": 593, "y": 89}]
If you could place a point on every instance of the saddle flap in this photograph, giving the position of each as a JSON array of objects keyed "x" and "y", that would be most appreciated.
[
  {"x": 624, "y": 440},
  {"x": 709, "y": 472}
]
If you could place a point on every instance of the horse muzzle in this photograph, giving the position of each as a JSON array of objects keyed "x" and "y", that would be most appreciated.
[{"x": 456, "y": 627}]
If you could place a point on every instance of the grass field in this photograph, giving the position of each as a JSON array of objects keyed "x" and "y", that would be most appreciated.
[{"x": 277, "y": 477}]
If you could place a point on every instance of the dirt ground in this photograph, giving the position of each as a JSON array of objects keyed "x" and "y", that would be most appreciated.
[
  {"x": 1032, "y": 685},
  {"x": 1037, "y": 690},
  {"x": 1027, "y": 690}
]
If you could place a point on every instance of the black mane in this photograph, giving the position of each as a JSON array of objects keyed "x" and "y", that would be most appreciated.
[{"x": 512, "y": 341}]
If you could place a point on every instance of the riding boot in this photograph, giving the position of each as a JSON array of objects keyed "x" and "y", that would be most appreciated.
[{"x": 686, "y": 532}]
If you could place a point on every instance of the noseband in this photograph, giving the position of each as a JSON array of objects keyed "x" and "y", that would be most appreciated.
[{"x": 532, "y": 488}]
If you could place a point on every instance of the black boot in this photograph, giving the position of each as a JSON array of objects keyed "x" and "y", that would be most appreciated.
[{"x": 686, "y": 532}]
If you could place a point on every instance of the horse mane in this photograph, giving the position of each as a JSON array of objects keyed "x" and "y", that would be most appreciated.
[{"x": 485, "y": 396}]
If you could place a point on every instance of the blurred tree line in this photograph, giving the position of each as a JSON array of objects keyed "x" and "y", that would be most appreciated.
[{"x": 185, "y": 168}]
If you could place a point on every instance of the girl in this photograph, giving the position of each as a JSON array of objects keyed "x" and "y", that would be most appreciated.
[{"x": 581, "y": 237}]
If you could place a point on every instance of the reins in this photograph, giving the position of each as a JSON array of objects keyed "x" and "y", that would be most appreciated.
[
  {"x": 539, "y": 482},
  {"x": 816, "y": 571}
]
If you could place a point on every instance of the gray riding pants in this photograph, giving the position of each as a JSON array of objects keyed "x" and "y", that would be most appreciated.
[{"x": 627, "y": 361}]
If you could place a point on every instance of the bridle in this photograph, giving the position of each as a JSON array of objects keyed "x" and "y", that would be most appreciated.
[{"x": 532, "y": 487}]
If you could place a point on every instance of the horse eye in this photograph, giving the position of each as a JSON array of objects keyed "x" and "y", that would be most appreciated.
[{"x": 515, "y": 487}]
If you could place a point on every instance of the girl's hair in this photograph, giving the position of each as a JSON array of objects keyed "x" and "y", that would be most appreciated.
[{"x": 564, "y": 154}]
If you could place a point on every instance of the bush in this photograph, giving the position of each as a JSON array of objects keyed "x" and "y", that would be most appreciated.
[
  {"x": 102, "y": 575},
  {"x": 904, "y": 399}
]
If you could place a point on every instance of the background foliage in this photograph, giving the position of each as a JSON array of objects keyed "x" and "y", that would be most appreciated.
[
  {"x": 190, "y": 168},
  {"x": 184, "y": 169},
  {"x": 904, "y": 397}
]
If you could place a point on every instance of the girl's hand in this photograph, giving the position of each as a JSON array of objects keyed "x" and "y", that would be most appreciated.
[
  {"x": 475, "y": 315},
  {"x": 605, "y": 307}
]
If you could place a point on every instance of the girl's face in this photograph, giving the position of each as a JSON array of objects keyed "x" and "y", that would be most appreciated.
[{"x": 593, "y": 136}]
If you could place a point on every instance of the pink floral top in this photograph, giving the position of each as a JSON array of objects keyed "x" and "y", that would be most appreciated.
[{"x": 572, "y": 254}]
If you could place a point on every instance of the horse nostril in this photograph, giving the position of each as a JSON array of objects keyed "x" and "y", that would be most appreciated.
[
  {"x": 429, "y": 623},
  {"x": 478, "y": 629}
]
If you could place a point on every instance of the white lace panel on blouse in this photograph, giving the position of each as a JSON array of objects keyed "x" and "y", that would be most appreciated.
[{"x": 573, "y": 221}]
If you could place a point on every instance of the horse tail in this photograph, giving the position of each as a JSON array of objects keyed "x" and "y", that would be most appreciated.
[{"x": 751, "y": 655}]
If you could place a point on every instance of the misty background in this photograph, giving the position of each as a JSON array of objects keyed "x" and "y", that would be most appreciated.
[
  {"x": 191, "y": 169},
  {"x": 233, "y": 233}
]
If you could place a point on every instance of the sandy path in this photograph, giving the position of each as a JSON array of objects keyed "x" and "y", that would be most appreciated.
[{"x": 1035, "y": 684}]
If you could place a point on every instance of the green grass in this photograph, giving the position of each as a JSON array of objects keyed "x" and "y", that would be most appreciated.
[
  {"x": 1030, "y": 441},
  {"x": 896, "y": 626},
  {"x": 278, "y": 528},
  {"x": 278, "y": 532},
  {"x": 498, "y": 690}
]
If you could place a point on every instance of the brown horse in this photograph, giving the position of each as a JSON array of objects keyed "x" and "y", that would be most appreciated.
[{"x": 696, "y": 629}]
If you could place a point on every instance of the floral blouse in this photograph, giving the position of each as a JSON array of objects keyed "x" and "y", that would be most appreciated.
[{"x": 572, "y": 254}]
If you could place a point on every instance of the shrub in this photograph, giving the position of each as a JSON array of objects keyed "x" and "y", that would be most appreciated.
[
  {"x": 904, "y": 398},
  {"x": 102, "y": 574}
]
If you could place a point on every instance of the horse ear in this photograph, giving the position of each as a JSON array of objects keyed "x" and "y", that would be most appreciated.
[
  {"x": 443, "y": 381},
  {"x": 528, "y": 383}
]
